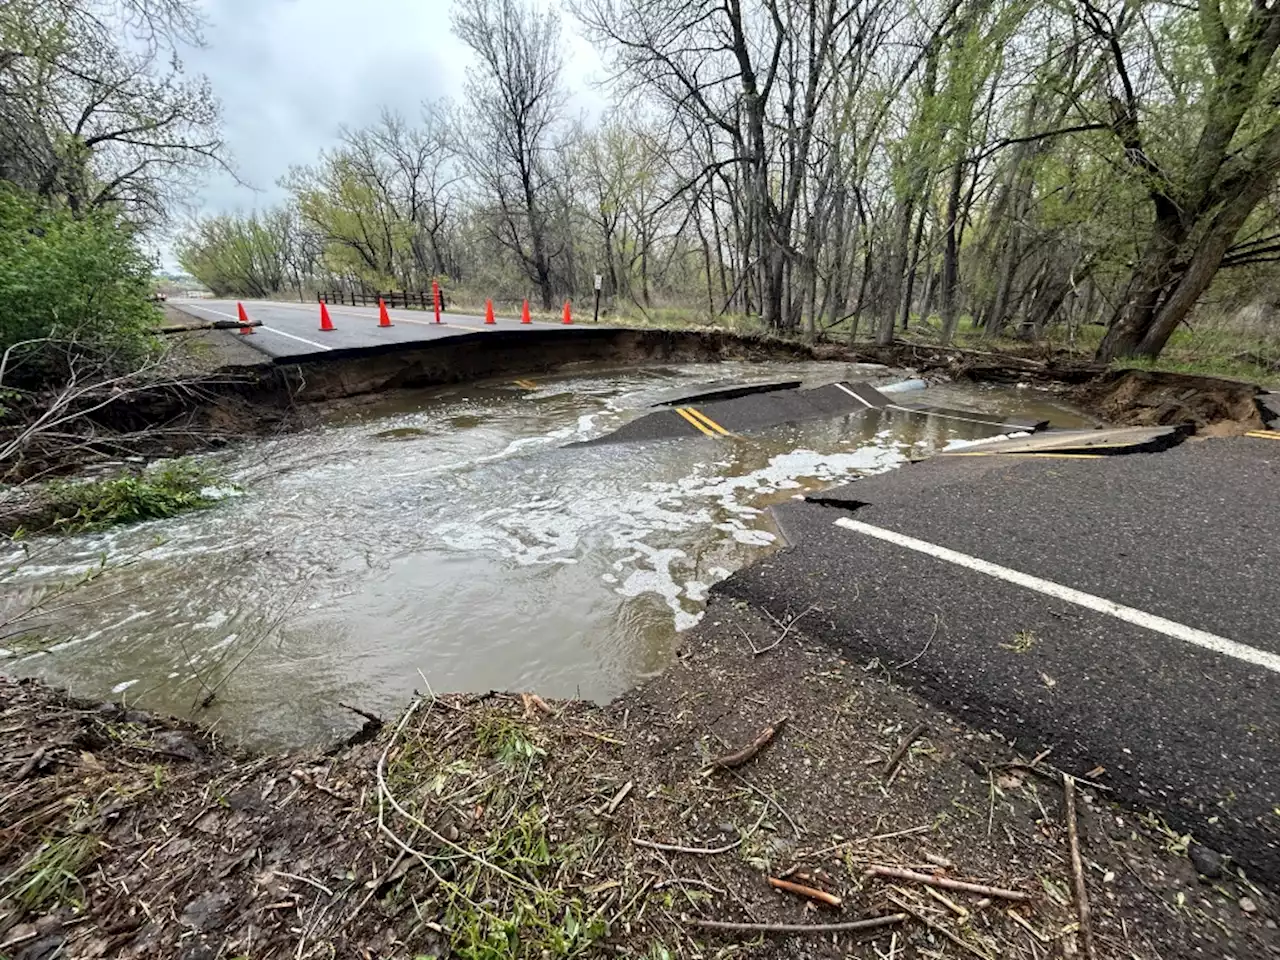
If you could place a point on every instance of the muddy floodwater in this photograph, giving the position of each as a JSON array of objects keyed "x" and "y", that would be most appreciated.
[{"x": 447, "y": 538}]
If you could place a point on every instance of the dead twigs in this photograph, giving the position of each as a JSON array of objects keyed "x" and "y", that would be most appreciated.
[
  {"x": 946, "y": 883},
  {"x": 891, "y": 765},
  {"x": 940, "y": 929},
  {"x": 371, "y": 717},
  {"x": 747, "y": 753},
  {"x": 786, "y": 629},
  {"x": 702, "y": 851},
  {"x": 851, "y": 926},
  {"x": 676, "y": 848},
  {"x": 1077, "y": 867},
  {"x": 800, "y": 890}
]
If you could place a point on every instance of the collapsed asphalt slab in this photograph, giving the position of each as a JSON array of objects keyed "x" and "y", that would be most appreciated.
[
  {"x": 729, "y": 410},
  {"x": 1188, "y": 733}
]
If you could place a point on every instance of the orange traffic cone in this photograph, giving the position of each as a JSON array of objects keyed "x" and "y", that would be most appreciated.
[
  {"x": 524, "y": 314},
  {"x": 384, "y": 320},
  {"x": 245, "y": 328},
  {"x": 568, "y": 317},
  {"x": 488, "y": 312},
  {"x": 325, "y": 322}
]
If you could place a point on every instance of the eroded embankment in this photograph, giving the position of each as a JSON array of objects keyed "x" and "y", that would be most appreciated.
[
  {"x": 191, "y": 414},
  {"x": 760, "y": 782},
  {"x": 240, "y": 400}
]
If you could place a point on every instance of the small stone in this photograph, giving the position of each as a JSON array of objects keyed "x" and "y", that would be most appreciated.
[
  {"x": 1248, "y": 906},
  {"x": 1208, "y": 863},
  {"x": 205, "y": 912}
]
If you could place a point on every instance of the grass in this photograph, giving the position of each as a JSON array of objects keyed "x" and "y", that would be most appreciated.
[
  {"x": 163, "y": 491},
  {"x": 51, "y": 874}
]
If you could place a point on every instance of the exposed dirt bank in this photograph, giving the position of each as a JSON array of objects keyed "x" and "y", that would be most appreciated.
[
  {"x": 1127, "y": 397},
  {"x": 1150, "y": 398},
  {"x": 491, "y": 826}
]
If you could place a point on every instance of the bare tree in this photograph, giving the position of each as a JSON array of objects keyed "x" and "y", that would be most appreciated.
[
  {"x": 515, "y": 101},
  {"x": 98, "y": 122}
]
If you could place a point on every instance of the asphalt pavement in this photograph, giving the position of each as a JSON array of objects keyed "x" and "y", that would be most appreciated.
[
  {"x": 728, "y": 411},
  {"x": 1117, "y": 610},
  {"x": 291, "y": 331}
]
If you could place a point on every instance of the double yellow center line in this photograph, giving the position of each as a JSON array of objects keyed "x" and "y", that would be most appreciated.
[
  {"x": 702, "y": 422},
  {"x": 1264, "y": 434}
]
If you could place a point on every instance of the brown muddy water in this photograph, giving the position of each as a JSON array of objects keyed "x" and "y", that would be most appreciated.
[{"x": 446, "y": 539}]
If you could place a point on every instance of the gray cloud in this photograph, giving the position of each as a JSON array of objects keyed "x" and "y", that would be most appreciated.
[{"x": 290, "y": 72}]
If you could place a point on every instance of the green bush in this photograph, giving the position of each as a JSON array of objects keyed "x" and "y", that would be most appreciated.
[
  {"x": 71, "y": 278},
  {"x": 154, "y": 494}
]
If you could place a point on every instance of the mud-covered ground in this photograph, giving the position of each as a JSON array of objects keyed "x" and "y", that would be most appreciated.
[{"x": 496, "y": 825}]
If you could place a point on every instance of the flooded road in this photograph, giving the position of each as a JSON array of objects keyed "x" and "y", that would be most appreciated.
[{"x": 445, "y": 538}]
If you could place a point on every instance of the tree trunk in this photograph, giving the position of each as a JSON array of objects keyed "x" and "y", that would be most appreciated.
[
  {"x": 892, "y": 292},
  {"x": 950, "y": 256}
]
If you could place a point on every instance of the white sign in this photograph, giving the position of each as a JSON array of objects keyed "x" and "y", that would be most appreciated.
[{"x": 599, "y": 281}]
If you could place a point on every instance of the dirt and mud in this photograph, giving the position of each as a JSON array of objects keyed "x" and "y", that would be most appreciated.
[{"x": 499, "y": 825}]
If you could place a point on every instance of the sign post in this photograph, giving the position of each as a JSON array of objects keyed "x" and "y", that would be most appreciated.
[{"x": 599, "y": 284}]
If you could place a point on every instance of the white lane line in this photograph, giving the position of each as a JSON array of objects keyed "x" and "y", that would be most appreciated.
[
  {"x": 1149, "y": 621},
  {"x": 952, "y": 416},
  {"x": 841, "y": 386},
  {"x": 232, "y": 316}
]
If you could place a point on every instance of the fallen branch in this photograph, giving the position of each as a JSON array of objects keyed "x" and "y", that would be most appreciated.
[
  {"x": 612, "y": 805},
  {"x": 1049, "y": 772},
  {"x": 532, "y": 701},
  {"x": 946, "y": 883},
  {"x": 813, "y": 893},
  {"x": 891, "y": 765},
  {"x": 851, "y": 926},
  {"x": 747, "y": 753},
  {"x": 33, "y": 761},
  {"x": 371, "y": 717},
  {"x": 1077, "y": 866},
  {"x": 705, "y": 851},
  {"x": 676, "y": 848}
]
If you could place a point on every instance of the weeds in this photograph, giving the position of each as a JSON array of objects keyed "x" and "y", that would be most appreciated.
[
  {"x": 1022, "y": 641},
  {"x": 489, "y": 793},
  {"x": 51, "y": 874}
]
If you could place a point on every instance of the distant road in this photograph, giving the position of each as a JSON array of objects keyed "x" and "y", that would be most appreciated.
[{"x": 292, "y": 330}]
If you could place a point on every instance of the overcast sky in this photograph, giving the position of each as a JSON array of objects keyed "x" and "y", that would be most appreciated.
[{"x": 290, "y": 72}]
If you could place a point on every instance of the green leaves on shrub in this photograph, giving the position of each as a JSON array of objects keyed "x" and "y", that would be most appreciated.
[
  {"x": 163, "y": 491},
  {"x": 81, "y": 278}
]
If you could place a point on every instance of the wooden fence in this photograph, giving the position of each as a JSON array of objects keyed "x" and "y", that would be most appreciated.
[{"x": 393, "y": 298}]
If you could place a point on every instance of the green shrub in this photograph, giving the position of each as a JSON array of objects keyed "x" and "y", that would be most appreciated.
[
  {"x": 73, "y": 278},
  {"x": 154, "y": 494}
]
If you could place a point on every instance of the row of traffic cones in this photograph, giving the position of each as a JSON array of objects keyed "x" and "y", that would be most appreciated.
[
  {"x": 384, "y": 318},
  {"x": 524, "y": 313}
]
